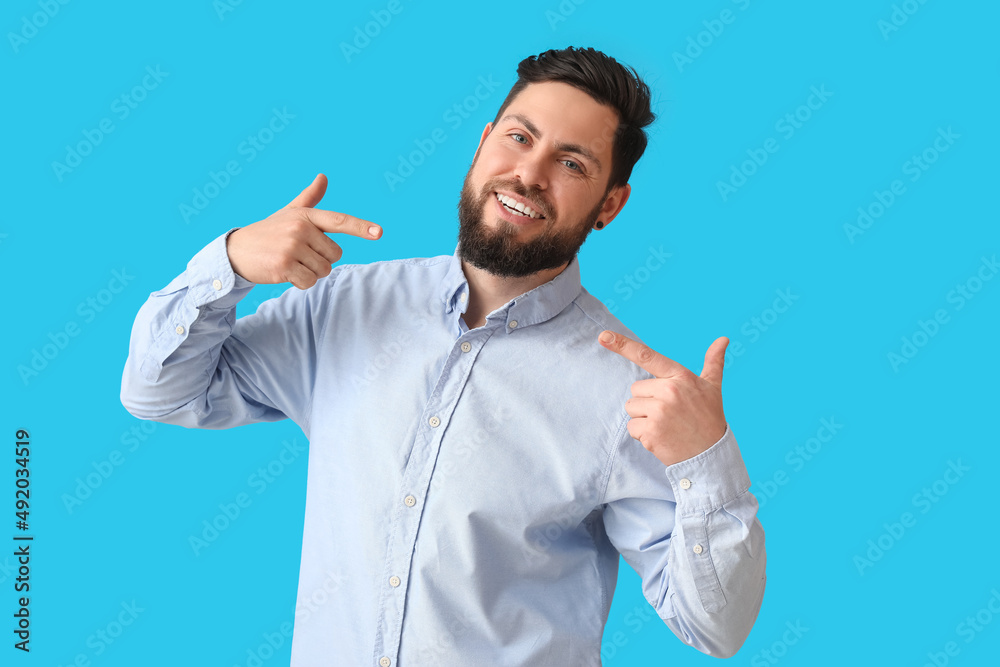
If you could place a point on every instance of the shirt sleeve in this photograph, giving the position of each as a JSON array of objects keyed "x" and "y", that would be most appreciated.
[
  {"x": 191, "y": 362},
  {"x": 690, "y": 531}
]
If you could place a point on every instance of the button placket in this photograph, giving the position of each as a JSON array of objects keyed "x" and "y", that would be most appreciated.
[{"x": 416, "y": 479}]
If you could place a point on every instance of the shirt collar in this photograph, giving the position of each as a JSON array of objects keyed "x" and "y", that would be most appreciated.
[{"x": 533, "y": 307}]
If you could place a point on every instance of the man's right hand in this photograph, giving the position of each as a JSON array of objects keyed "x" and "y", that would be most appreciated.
[{"x": 291, "y": 244}]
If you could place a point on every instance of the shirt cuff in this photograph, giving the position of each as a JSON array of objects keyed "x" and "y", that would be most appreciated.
[
  {"x": 703, "y": 483},
  {"x": 212, "y": 283}
]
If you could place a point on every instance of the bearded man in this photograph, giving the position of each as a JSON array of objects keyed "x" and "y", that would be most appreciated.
[{"x": 485, "y": 438}]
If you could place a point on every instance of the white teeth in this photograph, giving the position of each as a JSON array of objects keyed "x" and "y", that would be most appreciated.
[{"x": 517, "y": 206}]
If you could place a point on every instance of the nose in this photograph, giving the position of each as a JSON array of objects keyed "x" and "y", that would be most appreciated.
[{"x": 532, "y": 169}]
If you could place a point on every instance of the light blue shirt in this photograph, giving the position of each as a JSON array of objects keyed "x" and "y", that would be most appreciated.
[{"x": 469, "y": 491}]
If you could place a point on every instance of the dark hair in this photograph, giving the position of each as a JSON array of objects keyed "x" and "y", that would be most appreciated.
[{"x": 608, "y": 82}]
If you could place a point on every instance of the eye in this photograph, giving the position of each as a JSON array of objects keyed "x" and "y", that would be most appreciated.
[
  {"x": 519, "y": 137},
  {"x": 572, "y": 165}
]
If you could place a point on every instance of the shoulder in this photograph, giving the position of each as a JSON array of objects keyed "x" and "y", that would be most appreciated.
[
  {"x": 408, "y": 277},
  {"x": 598, "y": 315},
  {"x": 583, "y": 321},
  {"x": 424, "y": 266}
]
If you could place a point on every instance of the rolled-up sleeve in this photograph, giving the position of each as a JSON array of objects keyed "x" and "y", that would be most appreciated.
[{"x": 690, "y": 531}]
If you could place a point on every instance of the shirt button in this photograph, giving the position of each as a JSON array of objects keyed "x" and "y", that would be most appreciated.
[
  {"x": 409, "y": 501},
  {"x": 685, "y": 483},
  {"x": 466, "y": 346},
  {"x": 513, "y": 323},
  {"x": 697, "y": 549},
  {"x": 462, "y": 297},
  {"x": 179, "y": 329},
  {"x": 434, "y": 422},
  {"x": 216, "y": 285},
  {"x": 394, "y": 581},
  {"x": 384, "y": 661}
]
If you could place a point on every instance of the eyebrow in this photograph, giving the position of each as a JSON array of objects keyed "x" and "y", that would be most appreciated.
[{"x": 570, "y": 148}]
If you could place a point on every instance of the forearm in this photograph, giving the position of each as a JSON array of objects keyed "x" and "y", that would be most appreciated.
[{"x": 715, "y": 572}]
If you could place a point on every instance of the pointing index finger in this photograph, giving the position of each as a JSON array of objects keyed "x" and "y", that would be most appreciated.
[
  {"x": 641, "y": 355},
  {"x": 333, "y": 222}
]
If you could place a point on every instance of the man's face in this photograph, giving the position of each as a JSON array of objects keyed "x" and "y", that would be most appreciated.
[{"x": 551, "y": 152}]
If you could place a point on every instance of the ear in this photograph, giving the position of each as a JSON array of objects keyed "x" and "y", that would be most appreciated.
[
  {"x": 614, "y": 203},
  {"x": 486, "y": 133}
]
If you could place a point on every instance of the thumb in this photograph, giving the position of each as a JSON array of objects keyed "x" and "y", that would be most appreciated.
[
  {"x": 715, "y": 361},
  {"x": 312, "y": 195}
]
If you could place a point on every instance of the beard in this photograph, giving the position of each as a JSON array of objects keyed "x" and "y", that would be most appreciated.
[{"x": 497, "y": 250}]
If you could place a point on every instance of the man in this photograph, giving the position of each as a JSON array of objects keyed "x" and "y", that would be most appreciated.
[{"x": 476, "y": 461}]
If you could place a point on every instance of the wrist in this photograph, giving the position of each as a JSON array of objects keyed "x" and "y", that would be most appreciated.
[{"x": 229, "y": 254}]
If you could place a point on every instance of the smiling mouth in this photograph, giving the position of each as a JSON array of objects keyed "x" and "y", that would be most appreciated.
[{"x": 517, "y": 208}]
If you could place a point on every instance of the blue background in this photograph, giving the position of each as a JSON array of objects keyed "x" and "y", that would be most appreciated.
[{"x": 858, "y": 588}]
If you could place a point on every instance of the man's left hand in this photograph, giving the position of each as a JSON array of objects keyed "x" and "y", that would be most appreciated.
[{"x": 675, "y": 414}]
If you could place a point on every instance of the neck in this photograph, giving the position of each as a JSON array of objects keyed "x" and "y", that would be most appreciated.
[{"x": 487, "y": 291}]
